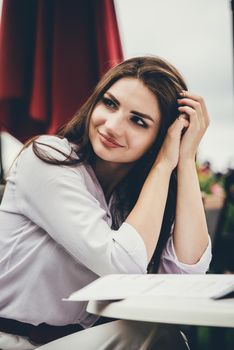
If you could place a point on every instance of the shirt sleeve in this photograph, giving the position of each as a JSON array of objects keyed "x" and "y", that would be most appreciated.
[
  {"x": 56, "y": 199},
  {"x": 170, "y": 264}
]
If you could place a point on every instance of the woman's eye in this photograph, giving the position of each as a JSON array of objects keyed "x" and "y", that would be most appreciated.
[
  {"x": 137, "y": 120},
  {"x": 108, "y": 103}
]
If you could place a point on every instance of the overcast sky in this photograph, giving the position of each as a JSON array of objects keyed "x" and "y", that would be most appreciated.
[{"x": 196, "y": 36}]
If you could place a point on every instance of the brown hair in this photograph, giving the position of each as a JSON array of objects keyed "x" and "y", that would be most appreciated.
[{"x": 166, "y": 83}]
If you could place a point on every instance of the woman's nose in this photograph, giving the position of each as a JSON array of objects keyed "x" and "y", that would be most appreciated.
[{"x": 115, "y": 124}]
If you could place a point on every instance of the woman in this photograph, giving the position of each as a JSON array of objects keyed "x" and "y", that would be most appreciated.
[{"x": 116, "y": 191}]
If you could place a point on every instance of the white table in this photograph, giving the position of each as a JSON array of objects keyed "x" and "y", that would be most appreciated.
[{"x": 200, "y": 312}]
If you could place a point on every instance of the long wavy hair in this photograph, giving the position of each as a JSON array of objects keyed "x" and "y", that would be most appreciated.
[{"x": 164, "y": 80}]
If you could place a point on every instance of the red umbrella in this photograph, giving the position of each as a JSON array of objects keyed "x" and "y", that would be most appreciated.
[{"x": 52, "y": 53}]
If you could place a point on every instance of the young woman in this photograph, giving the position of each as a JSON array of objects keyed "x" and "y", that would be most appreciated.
[{"x": 116, "y": 191}]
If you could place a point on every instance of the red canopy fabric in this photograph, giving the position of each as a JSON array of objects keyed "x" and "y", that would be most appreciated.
[{"x": 52, "y": 53}]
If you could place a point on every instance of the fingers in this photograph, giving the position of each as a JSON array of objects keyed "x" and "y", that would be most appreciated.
[
  {"x": 194, "y": 118},
  {"x": 183, "y": 119},
  {"x": 193, "y": 109},
  {"x": 197, "y": 103},
  {"x": 178, "y": 126},
  {"x": 191, "y": 103}
]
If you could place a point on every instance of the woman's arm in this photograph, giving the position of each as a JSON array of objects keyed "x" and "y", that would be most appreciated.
[
  {"x": 146, "y": 216},
  {"x": 190, "y": 234}
]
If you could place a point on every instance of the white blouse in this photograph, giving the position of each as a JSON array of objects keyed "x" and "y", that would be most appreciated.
[{"x": 56, "y": 237}]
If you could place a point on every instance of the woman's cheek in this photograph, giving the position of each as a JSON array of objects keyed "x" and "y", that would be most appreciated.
[{"x": 98, "y": 118}]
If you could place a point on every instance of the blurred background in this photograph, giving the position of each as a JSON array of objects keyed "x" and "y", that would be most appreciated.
[
  {"x": 52, "y": 53},
  {"x": 196, "y": 36}
]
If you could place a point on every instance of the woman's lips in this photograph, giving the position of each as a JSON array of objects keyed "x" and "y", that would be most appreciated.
[{"x": 108, "y": 142}]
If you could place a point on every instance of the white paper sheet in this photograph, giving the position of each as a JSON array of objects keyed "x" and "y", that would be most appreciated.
[{"x": 115, "y": 287}]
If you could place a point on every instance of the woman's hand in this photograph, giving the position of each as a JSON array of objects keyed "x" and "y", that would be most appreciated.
[
  {"x": 195, "y": 109},
  {"x": 169, "y": 152}
]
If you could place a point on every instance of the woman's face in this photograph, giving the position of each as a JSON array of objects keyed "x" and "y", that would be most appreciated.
[{"x": 125, "y": 123}]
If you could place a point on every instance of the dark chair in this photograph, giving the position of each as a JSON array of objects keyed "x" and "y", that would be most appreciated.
[
  {"x": 223, "y": 245},
  {"x": 223, "y": 258}
]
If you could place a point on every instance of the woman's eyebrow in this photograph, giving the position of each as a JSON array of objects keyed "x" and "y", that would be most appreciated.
[
  {"x": 113, "y": 98},
  {"x": 143, "y": 115}
]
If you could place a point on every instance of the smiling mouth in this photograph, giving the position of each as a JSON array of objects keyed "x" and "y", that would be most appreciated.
[{"x": 108, "y": 142}]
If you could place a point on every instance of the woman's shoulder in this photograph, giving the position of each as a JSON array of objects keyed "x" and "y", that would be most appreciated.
[
  {"x": 54, "y": 142},
  {"x": 52, "y": 147},
  {"x": 46, "y": 156}
]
